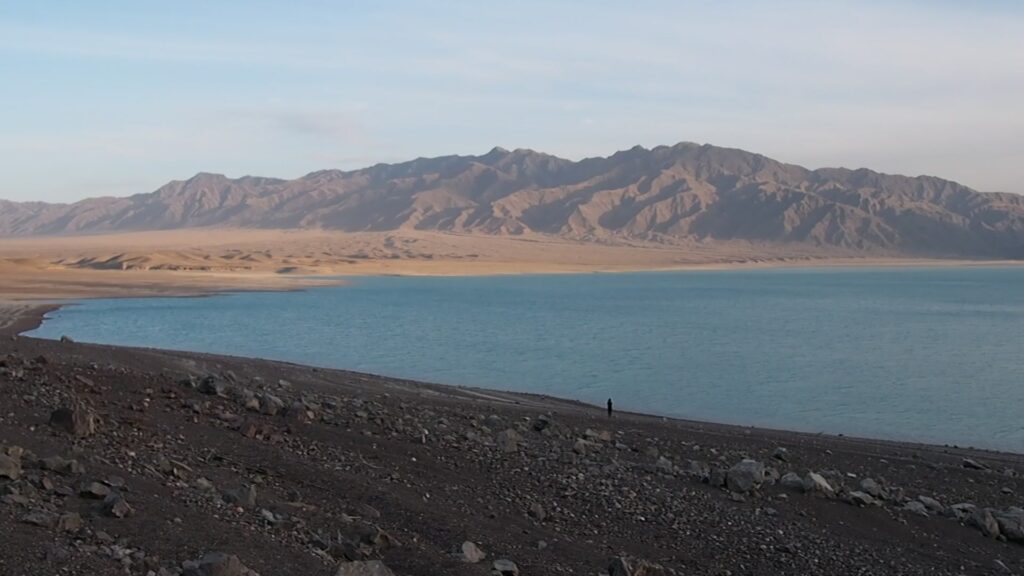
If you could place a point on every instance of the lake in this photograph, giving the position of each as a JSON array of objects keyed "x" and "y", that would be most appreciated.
[{"x": 925, "y": 354}]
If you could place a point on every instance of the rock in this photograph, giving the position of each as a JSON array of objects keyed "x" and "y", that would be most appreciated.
[
  {"x": 470, "y": 553},
  {"x": 781, "y": 454},
  {"x": 745, "y": 476},
  {"x": 1011, "y": 524},
  {"x": 504, "y": 568},
  {"x": 65, "y": 339},
  {"x": 861, "y": 498},
  {"x": 9, "y": 468},
  {"x": 869, "y": 486},
  {"x": 931, "y": 504},
  {"x": 69, "y": 522},
  {"x": 717, "y": 477},
  {"x": 508, "y": 440},
  {"x": 271, "y": 405},
  {"x": 983, "y": 520},
  {"x": 75, "y": 420},
  {"x": 664, "y": 466},
  {"x": 698, "y": 470},
  {"x": 114, "y": 505},
  {"x": 61, "y": 465},
  {"x": 93, "y": 490},
  {"x": 581, "y": 447},
  {"x": 217, "y": 564},
  {"x": 626, "y": 566},
  {"x": 541, "y": 423},
  {"x": 972, "y": 464},
  {"x": 244, "y": 497},
  {"x": 213, "y": 387},
  {"x": 960, "y": 512},
  {"x": 815, "y": 482},
  {"x": 916, "y": 507},
  {"x": 368, "y": 568},
  {"x": 537, "y": 512},
  {"x": 792, "y": 481},
  {"x": 40, "y": 518}
]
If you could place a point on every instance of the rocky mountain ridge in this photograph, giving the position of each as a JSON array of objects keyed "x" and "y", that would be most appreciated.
[{"x": 668, "y": 194}]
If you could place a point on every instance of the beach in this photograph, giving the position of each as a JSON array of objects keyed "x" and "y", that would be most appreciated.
[{"x": 294, "y": 469}]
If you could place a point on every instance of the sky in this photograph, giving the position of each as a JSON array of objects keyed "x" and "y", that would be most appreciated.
[{"x": 115, "y": 98}]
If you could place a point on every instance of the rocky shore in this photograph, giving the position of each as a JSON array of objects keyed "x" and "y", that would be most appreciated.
[{"x": 148, "y": 462}]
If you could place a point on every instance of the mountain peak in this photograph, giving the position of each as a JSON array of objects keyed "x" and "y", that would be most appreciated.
[{"x": 672, "y": 195}]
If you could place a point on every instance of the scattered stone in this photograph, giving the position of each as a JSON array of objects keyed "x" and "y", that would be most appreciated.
[
  {"x": 470, "y": 553},
  {"x": 244, "y": 497},
  {"x": 75, "y": 420},
  {"x": 931, "y": 504},
  {"x": 916, "y": 507},
  {"x": 983, "y": 520},
  {"x": 781, "y": 454},
  {"x": 217, "y": 564},
  {"x": 664, "y": 466},
  {"x": 815, "y": 482},
  {"x": 861, "y": 498},
  {"x": 960, "y": 512},
  {"x": 65, "y": 339},
  {"x": 537, "y": 512},
  {"x": 40, "y": 518},
  {"x": 792, "y": 481},
  {"x": 626, "y": 566},
  {"x": 581, "y": 447},
  {"x": 116, "y": 506},
  {"x": 271, "y": 405},
  {"x": 973, "y": 464},
  {"x": 869, "y": 486},
  {"x": 9, "y": 467},
  {"x": 61, "y": 465},
  {"x": 505, "y": 568},
  {"x": 745, "y": 476},
  {"x": 69, "y": 522},
  {"x": 360, "y": 568},
  {"x": 1011, "y": 524},
  {"x": 93, "y": 490},
  {"x": 508, "y": 440}
]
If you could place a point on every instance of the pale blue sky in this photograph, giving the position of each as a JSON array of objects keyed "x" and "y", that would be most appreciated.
[{"x": 114, "y": 98}]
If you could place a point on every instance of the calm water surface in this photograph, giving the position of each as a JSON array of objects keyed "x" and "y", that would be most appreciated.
[{"x": 922, "y": 354}]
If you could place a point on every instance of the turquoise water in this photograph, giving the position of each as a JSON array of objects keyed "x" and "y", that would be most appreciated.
[{"x": 933, "y": 355}]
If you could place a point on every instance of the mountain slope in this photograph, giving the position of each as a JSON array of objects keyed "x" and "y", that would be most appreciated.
[{"x": 667, "y": 194}]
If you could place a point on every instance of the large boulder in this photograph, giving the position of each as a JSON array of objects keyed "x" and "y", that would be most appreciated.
[{"x": 745, "y": 476}]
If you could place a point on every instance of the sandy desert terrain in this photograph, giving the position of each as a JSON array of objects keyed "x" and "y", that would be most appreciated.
[{"x": 197, "y": 261}]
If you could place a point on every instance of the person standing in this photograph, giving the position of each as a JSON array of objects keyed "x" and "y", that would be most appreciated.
[{"x": 609, "y": 407}]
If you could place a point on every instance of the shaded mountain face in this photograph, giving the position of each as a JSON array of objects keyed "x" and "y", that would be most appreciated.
[{"x": 667, "y": 194}]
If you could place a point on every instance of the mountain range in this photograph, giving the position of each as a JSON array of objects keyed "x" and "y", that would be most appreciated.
[{"x": 668, "y": 194}]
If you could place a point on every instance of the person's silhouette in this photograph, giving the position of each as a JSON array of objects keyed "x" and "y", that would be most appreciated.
[{"x": 609, "y": 407}]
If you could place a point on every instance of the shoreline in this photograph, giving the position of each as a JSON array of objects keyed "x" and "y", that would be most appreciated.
[{"x": 33, "y": 317}]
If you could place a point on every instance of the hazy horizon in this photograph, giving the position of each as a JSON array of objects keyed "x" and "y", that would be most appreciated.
[{"x": 116, "y": 98}]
